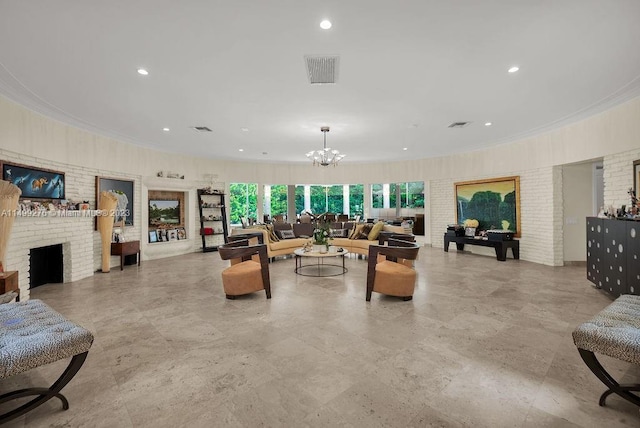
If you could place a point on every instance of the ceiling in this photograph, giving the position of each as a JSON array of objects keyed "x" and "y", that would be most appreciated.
[{"x": 407, "y": 69}]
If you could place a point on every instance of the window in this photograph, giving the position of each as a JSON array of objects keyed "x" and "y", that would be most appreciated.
[
  {"x": 335, "y": 199},
  {"x": 243, "y": 201},
  {"x": 356, "y": 200},
  {"x": 275, "y": 201},
  {"x": 299, "y": 198},
  {"x": 377, "y": 197},
  {"x": 413, "y": 195}
]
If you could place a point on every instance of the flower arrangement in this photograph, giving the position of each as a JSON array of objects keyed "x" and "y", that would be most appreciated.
[{"x": 321, "y": 234}]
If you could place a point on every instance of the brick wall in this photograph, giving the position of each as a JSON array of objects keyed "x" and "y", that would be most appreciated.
[
  {"x": 540, "y": 214},
  {"x": 81, "y": 244},
  {"x": 618, "y": 177}
]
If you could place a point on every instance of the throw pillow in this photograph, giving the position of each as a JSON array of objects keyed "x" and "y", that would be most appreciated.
[
  {"x": 375, "y": 231},
  {"x": 286, "y": 234},
  {"x": 338, "y": 233},
  {"x": 356, "y": 231},
  {"x": 366, "y": 229}
]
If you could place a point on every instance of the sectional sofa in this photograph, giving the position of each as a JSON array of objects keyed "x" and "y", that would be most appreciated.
[{"x": 284, "y": 238}]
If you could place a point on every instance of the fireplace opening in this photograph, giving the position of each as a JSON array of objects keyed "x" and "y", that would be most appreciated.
[{"x": 45, "y": 265}]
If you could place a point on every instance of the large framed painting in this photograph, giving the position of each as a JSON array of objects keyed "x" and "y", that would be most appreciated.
[
  {"x": 35, "y": 183},
  {"x": 494, "y": 202},
  {"x": 121, "y": 187}
]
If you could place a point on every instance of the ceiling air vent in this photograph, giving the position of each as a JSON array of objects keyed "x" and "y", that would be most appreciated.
[
  {"x": 201, "y": 128},
  {"x": 459, "y": 124},
  {"x": 322, "y": 69}
]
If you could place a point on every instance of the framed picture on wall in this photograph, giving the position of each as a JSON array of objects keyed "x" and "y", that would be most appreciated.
[
  {"x": 122, "y": 187},
  {"x": 35, "y": 183},
  {"x": 494, "y": 202}
]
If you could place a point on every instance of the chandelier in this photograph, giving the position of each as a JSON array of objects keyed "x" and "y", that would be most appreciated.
[{"x": 326, "y": 156}]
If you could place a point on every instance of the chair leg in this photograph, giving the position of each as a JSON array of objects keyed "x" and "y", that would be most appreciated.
[
  {"x": 406, "y": 298},
  {"x": 230, "y": 297},
  {"x": 623, "y": 391},
  {"x": 44, "y": 394}
]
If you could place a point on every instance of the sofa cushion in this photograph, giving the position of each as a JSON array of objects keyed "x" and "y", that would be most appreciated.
[
  {"x": 303, "y": 230},
  {"x": 375, "y": 231},
  {"x": 364, "y": 233},
  {"x": 269, "y": 229},
  {"x": 338, "y": 233},
  {"x": 356, "y": 231},
  {"x": 285, "y": 234}
]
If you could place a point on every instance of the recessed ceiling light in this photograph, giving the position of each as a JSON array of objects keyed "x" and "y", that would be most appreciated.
[
  {"x": 143, "y": 71},
  {"x": 513, "y": 69},
  {"x": 265, "y": 153},
  {"x": 166, "y": 129},
  {"x": 241, "y": 150},
  {"x": 325, "y": 25},
  {"x": 244, "y": 129},
  {"x": 488, "y": 124},
  {"x": 404, "y": 148}
]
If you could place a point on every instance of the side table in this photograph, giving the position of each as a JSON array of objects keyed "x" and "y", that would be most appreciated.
[
  {"x": 9, "y": 282},
  {"x": 123, "y": 249}
]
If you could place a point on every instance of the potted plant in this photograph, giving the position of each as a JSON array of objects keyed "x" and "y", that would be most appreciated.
[{"x": 321, "y": 237}]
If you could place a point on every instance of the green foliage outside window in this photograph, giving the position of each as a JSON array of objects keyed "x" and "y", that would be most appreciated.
[
  {"x": 299, "y": 198},
  {"x": 356, "y": 200},
  {"x": 377, "y": 198},
  {"x": 243, "y": 201},
  {"x": 278, "y": 199}
]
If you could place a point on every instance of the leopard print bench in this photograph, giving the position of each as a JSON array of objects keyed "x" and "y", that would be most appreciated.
[
  {"x": 31, "y": 335},
  {"x": 615, "y": 332}
]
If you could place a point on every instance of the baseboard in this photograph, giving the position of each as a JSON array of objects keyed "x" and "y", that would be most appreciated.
[{"x": 575, "y": 263}]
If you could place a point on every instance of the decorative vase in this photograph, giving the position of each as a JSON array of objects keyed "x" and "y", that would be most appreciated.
[
  {"x": 107, "y": 203},
  {"x": 317, "y": 248},
  {"x": 324, "y": 249}
]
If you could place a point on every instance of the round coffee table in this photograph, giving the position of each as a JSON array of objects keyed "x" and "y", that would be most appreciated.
[{"x": 320, "y": 268}]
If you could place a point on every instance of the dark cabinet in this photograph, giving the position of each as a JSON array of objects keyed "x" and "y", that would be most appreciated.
[{"x": 613, "y": 248}]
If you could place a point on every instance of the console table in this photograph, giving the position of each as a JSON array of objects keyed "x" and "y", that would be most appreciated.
[
  {"x": 123, "y": 249},
  {"x": 499, "y": 246}
]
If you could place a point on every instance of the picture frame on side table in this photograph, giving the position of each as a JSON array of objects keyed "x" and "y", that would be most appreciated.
[
  {"x": 153, "y": 236},
  {"x": 494, "y": 202},
  {"x": 35, "y": 183}
]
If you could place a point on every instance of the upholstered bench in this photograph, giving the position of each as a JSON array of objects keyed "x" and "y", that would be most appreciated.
[
  {"x": 32, "y": 335},
  {"x": 615, "y": 332}
]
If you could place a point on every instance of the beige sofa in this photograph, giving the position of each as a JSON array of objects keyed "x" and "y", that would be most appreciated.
[{"x": 288, "y": 246}]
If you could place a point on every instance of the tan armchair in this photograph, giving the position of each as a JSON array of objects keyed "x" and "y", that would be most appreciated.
[
  {"x": 390, "y": 269},
  {"x": 249, "y": 270}
]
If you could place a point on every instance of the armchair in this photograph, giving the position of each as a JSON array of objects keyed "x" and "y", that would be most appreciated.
[
  {"x": 390, "y": 269},
  {"x": 249, "y": 270}
]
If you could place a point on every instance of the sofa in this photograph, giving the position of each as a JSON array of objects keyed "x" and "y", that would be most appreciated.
[{"x": 284, "y": 238}]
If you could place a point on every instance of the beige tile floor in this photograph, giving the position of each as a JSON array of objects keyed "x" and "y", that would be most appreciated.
[{"x": 483, "y": 344}]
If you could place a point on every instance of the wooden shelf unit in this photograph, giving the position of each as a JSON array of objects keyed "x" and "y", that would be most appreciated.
[{"x": 213, "y": 215}]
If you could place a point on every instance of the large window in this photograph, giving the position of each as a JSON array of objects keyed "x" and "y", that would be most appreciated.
[
  {"x": 356, "y": 200},
  {"x": 377, "y": 196},
  {"x": 243, "y": 201},
  {"x": 275, "y": 201},
  {"x": 412, "y": 194},
  {"x": 327, "y": 199},
  {"x": 299, "y": 199}
]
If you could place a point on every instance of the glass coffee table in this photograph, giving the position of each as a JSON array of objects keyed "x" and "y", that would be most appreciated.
[{"x": 320, "y": 268}]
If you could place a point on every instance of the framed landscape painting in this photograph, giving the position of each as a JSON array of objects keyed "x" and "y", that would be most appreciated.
[
  {"x": 35, "y": 183},
  {"x": 494, "y": 202}
]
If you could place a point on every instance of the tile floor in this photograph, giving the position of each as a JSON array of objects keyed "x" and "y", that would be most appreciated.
[{"x": 483, "y": 344}]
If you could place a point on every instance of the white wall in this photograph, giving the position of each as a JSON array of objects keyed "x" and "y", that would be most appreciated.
[
  {"x": 613, "y": 135},
  {"x": 577, "y": 182}
]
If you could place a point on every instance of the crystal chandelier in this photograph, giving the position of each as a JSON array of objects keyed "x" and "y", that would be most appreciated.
[{"x": 325, "y": 156}]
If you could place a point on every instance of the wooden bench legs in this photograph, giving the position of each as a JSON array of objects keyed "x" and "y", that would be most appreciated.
[
  {"x": 624, "y": 391},
  {"x": 43, "y": 394}
]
